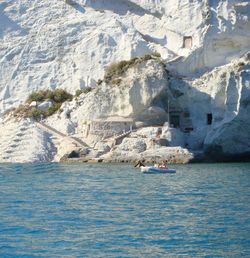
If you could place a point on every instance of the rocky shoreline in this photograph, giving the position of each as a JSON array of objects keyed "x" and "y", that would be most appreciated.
[
  {"x": 179, "y": 156},
  {"x": 140, "y": 144},
  {"x": 124, "y": 84}
]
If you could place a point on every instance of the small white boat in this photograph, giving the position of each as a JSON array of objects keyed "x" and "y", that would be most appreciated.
[{"x": 156, "y": 170}]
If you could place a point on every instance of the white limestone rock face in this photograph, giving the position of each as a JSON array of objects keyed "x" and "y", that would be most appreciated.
[
  {"x": 145, "y": 132},
  {"x": 104, "y": 147},
  {"x": 230, "y": 139},
  {"x": 53, "y": 44},
  {"x": 65, "y": 126},
  {"x": 174, "y": 137},
  {"x": 223, "y": 93},
  {"x": 61, "y": 121},
  {"x": 225, "y": 36},
  {"x": 49, "y": 44},
  {"x": 139, "y": 86},
  {"x": 21, "y": 141},
  {"x": 231, "y": 130},
  {"x": 195, "y": 139},
  {"x": 172, "y": 154},
  {"x": 152, "y": 115},
  {"x": 132, "y": 145}
]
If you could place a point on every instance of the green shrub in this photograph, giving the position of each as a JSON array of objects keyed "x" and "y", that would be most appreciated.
[
  {"x": 49, "y": 94},
  {"x": 21, "y": 110},
  {"x": 78, "y": 92},
  {"x": 156, "y": 54},
  {"x": 61, "y": 96},
  {"x": 146, "y": 58},
  {"x": 117, "y": 69},
  {"x": 87, "y": 90},
  {"x": 37, "y": 96},
  {"x": 116, "y": 81},
  {"x": 58, "y": 95},
  {"x": 35, "y": 113},
  {"x": 51, "y": 110},
  {"x": 99, "y": 82},
  {"x": 81, "y": 91}
]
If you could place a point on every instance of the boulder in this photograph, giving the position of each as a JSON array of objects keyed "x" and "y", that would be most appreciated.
[
  {"x": 174, "y": 137},
  {"x": 135, "y": 145},
  {"x": 45, "y": 105},
  {"x": 172, "y": 154},
  {"x": 149, "y": 132},
  {"x": 33, "y": 104},
  {"x": 103, "y": 147}
]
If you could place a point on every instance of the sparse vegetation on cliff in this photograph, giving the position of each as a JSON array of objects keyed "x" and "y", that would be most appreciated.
[
  {"x": 117, "y": 69},
  {"x": 55, "y": 98},
  {"x": 85, "y": 91},
  {"x": 58, "y": 96}
]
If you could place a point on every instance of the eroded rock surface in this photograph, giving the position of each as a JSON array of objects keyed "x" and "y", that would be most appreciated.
[{"x": 200, "y": 85}]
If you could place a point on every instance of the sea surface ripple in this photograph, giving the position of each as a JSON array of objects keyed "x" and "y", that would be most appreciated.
[{"x": 104, "y": 210}]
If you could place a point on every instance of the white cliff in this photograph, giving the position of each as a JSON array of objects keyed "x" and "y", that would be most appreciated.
[
  {"x": 69, "y": 44},
  {"x": 223, "y": 94},
  {"x": 21, "y": 141}
]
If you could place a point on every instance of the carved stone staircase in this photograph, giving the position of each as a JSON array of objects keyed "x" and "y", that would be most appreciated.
[{"x": 74, "y": 140}]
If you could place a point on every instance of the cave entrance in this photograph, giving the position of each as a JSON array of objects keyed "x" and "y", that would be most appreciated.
[
  {"x": 175, "y": 121},
  {"x": 209, "y": 118}
]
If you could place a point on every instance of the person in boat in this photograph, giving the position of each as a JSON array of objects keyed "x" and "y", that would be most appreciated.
[
  {"x": 163, "y": 164},
  {"x": 140, "y": 163}
]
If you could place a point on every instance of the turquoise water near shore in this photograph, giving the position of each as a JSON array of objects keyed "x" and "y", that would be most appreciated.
[{"x": 103, "y": 210}]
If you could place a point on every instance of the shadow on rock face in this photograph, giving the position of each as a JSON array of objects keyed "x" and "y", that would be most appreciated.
[
  {"x": 122, "y": 8},
  {"x": 215, "y": 153},
  {"x": 75, "y": 5},
  {"x": 6, "y": 22},
  {"x": 153, "y": 116},
  {"x": 74, "y": 154}
]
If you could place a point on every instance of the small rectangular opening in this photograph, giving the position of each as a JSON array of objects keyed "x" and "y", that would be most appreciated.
[
  {"x": 175, "y": 121},
  {"x": 188, "y": 129},
  {"x": 209, "y": 118},
  {"x": 70, "y": 2},
  {"x": 187, "y": 42}
]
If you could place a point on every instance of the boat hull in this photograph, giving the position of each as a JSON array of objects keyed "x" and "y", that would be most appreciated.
[{"x": 155, "y": 170}]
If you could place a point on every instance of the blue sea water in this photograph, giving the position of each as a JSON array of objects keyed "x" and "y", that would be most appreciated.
[{"x": 103, "y": 210}]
